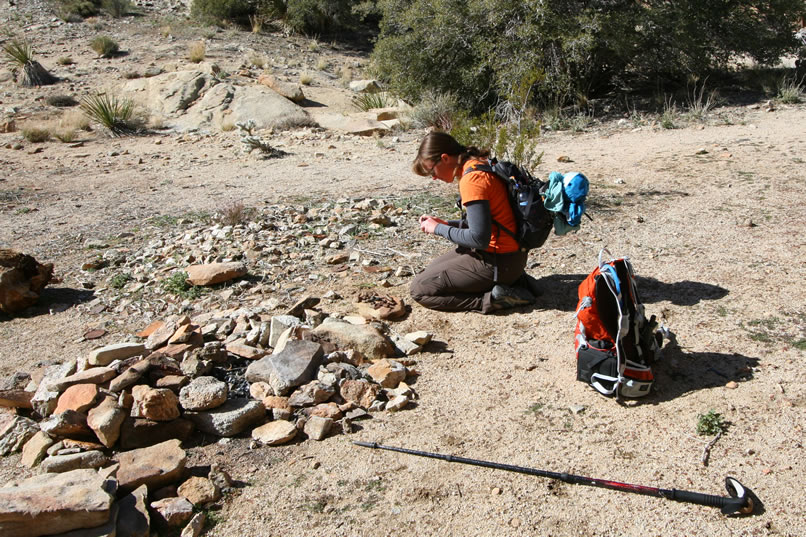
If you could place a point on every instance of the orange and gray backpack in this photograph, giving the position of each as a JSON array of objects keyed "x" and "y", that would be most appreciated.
[{"x": 616, "y": 344}]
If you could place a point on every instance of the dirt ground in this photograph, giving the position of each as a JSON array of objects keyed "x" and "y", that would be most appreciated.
[{"x": 711, "y": 214}]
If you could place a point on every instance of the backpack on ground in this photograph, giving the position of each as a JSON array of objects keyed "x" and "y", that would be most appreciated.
[
  {"x": 525, "y": 192},
  {"x": 615, "y": 343}
]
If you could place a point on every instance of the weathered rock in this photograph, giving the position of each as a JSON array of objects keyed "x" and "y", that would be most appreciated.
[
  {"x": 35, "y": 449},
  {"x": 294, "y": 366},
  {"x": 154, "y": 404},
  {"x": 275, "y": 433},
  {"x": 360, "y": 392},
  {"x": 310, "y": 394},
  {"x": 155, "y": 466},
  {"x": 195, "y": 526},
  {"x": 420, "y": 337},
  {"x": 317, "y": 427},
  {"x": 387, "y": 373},
  {"x": 160, "y": 335},
  {"x": 22, "y": 279},
  {"x": 105, "y": 420},
  {"x": 170, "y": 94},
  {"x": 175, "y": 383},
  {"x": 213, "y": 273},
  {"x": 69, "y": 424},
  {"x": 131, "y": 376},
  {"x": 172, "y": 512},
  {"x": 95, "y": 375},
  {"x": 45, "y": 398},
  {"x": 231, "y": 418},
  {"x": 74, "y": 461},
  {"x": 199, "y": 491},
  {"x": 50, "y": 504},
  {"x": 239, "y": 347},
  {"x": 118, "y": 351},
  {"x": 79, "y": 397},
  {"x": 289, "y": 90},
  {"x": 13, "y": 393},
  {"x": 365, "y": 86},
  {"x": 326, "y": 410},
  {"x": 140, "y": 433},
  {"x": 16, "y": 433},
  {"x": 368, "y": 340},
  {"x": 219, "y": 477},
  {"x": 305, "y": 303},
  {"x": 133, "y": 518},
  {"x": 398, "y": 402},
  {"x": 259, "y": 390},
  {"x": 406, "y": 346},
  {"x": 203, "y": 393},
  {"x": 279, "y": 324},
  {"x": 107, "y": 529}
]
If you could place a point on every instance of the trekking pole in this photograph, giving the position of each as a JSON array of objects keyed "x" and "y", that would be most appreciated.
[{"x": 741, "y": 499}]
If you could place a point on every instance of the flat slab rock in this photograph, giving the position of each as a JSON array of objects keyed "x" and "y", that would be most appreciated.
[{"x": 54, "y": 503}]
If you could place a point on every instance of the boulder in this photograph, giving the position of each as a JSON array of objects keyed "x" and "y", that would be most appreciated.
[
  {"x": 213, "y": 273},
  {"x": 158, "y": 404},
  {"x": 49, "y": 504},
  {"x": 105, "y": 421},
  {"x": 170, "y": 94},
  {"x": 95, "y": 375},
  {"x": 199, "y": 491},
  {"x": 46, "y": 398},
  {"x": 366, "y": 339},
  {"x": 22, "y": 279},
  {"x": 290, "y": 90},
  {"x": 387, "y": 373},
  {"x": 230, "y": 419},
  {"x": 294, "y": 366},
  {"x": 117, "y": 351},
  {"x": 133, "y": 517},
  {"x": 140, "y": 433},
  {"x": 172, "y": 512},
  {"x": 275, "y": 433},
  {"x": 16, "y": 433},
  {"x": 74, "y": 461},
  {"x": 156, "y": 466},
  {"x": 203, "y": 393},
  {"x": 35, "y": 449},
  {"x": 79, "y": 397}
]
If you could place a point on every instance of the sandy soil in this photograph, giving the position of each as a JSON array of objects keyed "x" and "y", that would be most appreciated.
[{"x": 711, "y": 215}]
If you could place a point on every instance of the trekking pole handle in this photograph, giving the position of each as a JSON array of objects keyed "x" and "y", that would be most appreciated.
[{"x": 738, "y": 501}]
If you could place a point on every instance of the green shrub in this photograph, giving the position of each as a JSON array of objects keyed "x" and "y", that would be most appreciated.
[
  {"x": 78, "y": 10},
  {"x": 488, "y": 51},
  {"x": 711, "y": 423},
  {"x": 104, "y": 46},
  {"x": 177, "y": 284},
  {"x": 119, "y": 281},
  {"x": 36, "y": 135},
  {"x": 790, "y": 90},
  {"x": 61, "y": 101},
  {"x": 115, "y": 114},
  {"x": 221, "y": 11},
  {"x": 117, "y": 8},
  {"x": 19, "y": 52}
]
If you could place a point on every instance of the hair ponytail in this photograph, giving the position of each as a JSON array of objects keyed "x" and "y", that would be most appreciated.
[{"x": 436, "y": 143}]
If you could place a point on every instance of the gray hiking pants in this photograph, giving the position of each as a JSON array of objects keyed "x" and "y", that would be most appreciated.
[{"x": 462, "y": 279}]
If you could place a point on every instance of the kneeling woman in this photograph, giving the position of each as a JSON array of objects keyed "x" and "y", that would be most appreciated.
[{"x": 478, "y": 275}]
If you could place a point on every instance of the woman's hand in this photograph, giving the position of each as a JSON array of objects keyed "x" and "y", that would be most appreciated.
[{"x": 428, "y": 223}]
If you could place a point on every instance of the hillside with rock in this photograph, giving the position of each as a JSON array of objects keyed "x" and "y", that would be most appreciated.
[{"x": 197, "y": 322}]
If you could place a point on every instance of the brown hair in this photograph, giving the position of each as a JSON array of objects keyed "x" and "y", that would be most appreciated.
[{"x": 435, "y": 144}]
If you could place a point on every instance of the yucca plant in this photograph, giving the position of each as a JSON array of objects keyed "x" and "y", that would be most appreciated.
[
  {"x": 113, "y": 113},
  {"x": 21, "y": 53}
]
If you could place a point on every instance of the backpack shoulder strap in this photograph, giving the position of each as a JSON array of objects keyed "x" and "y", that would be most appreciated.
[{"x": 489, "y": 169}]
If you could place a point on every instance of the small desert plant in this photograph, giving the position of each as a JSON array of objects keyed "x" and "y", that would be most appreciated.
[
  {"x": 117, "y": 8},
  {"x": 131, "y": 75},
  {"x": 669, "y": 115},
  {"x": 104, "y": 46},
  {"x": 256, "y": 22},
  {"x": 235, "y": 213},
  {"x": 345, "y": 75},
  {"x": 699, "y": 104},
  {"x": 35, "y": 134},
  {"x": 65, "y": 135},
  {"x": 435, "y": 110},
  {"x": 252, "y": 141},
  {"x": 257, "y": 60},
  {"x": 21, "y": 53},
  {"x": 197, "y": 51},
  {"x": 790, "y": 90},
  {"x": 75, "y": 120},
  {"x": 227, "y": 125},
  {"x": 322, "y": 64},
  {"x": 78, "y": 10},
  {"x": 711, "y": 423},
  {"x": 113, "y": 113},
  {"x": 61, "y": 101},
  {"x": 177, "y": 284},
  {"x": 119, "y": 281},
  {"x": 368, "y": 101},
  {"x": 65, "y": 60},
  {"x": 306, "y": 79}
]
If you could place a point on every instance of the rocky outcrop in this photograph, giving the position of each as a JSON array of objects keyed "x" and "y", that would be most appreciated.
[{"x": 22, "y": 279}]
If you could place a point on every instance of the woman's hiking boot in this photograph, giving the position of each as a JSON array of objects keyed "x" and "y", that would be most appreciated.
[{"x": 504, "y": 296}]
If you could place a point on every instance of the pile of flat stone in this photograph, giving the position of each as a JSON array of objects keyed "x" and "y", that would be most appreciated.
[{"x": 113, "y": 421}]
